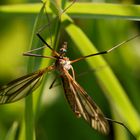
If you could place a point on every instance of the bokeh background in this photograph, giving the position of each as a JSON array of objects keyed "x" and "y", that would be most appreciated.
[{"x": 55, "y": 120}]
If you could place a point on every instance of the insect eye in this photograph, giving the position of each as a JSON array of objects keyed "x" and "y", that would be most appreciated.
[{"x": 63, "y": 50}]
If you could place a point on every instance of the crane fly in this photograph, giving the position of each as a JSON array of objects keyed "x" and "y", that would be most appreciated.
[{"x": 80, "y": 102}]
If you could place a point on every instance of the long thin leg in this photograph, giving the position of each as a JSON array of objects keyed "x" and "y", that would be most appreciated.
[
  {"x": 40, "y": 48},
  {"x": 29, "y": 53},
  {"x": 68, "y": 6},
  {"x": 73, "y": 73},
  {"x": 53, "y": 82},
  {"x": 37, "y": 55},
  {"x": 107, "y": 51},
  {"x": 41, "y": 38},
  {"x": 48, "y": 22},
  {"x": 120, "y": 123}
]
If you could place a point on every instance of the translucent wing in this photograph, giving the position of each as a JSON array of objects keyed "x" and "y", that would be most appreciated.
[
  {"x": 21, "y": 87},
  {"x": 82, "y": 104}
]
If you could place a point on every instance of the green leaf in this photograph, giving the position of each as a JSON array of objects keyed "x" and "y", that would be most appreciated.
[
  {"x": 11, "y": 135},
  {"x": 29, "y": 113},
  {"x": 82, "y": 10}
]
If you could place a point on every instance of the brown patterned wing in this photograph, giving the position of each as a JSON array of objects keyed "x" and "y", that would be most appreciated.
[
  {"x": 21, "y": 87},
  {"x": 82, "y": 104}
]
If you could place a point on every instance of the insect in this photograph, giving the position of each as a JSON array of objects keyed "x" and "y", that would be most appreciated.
[{"x": 80, "y": 102}]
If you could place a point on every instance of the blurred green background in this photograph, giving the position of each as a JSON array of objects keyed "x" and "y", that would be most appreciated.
[{"x": 55, "y": 120}]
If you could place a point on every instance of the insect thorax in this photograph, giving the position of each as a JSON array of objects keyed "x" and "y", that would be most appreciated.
[{"x": 63, "y": 63}]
